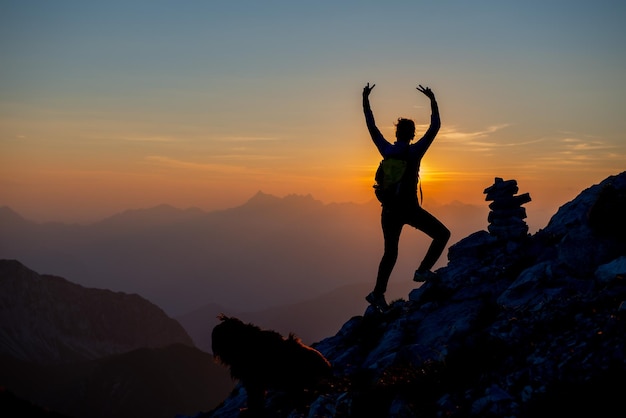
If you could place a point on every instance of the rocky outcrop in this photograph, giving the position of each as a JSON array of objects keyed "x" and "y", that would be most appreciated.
[
  {"x": 49, "y": 320},
  {"x": 506, "y": 218},
  {"x": 510, "y": 328}
]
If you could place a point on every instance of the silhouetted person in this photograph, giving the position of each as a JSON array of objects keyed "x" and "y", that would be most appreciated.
[{"x": 405, "y": 209}]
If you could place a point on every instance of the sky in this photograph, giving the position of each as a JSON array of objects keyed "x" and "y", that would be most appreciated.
[{"x": 108, "y": 106}]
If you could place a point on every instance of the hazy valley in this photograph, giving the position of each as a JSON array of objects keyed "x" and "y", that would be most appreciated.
[{"x": 267, "y": 252}]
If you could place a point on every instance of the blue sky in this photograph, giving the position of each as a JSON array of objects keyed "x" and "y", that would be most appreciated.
[{"x": 112, "y": 105}]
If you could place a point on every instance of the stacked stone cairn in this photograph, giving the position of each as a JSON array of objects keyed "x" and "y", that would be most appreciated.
[{"x": 506, "y": 218}]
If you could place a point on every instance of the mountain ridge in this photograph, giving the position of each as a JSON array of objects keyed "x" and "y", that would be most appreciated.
[
  {"x": 68, "y": 322},
  {"x": 97, "y": 353},
  {"x": 298, "y": 245}
]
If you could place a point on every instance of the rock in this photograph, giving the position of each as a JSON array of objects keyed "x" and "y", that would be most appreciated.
[
  {"x": 506, "y": 218},
  {"x": 608, "y": 272},
  {"x": 501, "y": 188}
]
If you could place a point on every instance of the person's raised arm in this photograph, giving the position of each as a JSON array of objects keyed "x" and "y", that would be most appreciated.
[
  {"x": 435, "y": 121},
  {"x": 375, "y": 133},
  {"x": 367, "y": 110}
]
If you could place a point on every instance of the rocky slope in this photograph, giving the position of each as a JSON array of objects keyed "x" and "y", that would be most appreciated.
[{"x": 511, "y": 328}]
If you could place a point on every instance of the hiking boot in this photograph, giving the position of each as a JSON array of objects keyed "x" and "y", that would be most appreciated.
[
  {"x": 423, "y": 276},
  {"x": 378, "y": 302}
]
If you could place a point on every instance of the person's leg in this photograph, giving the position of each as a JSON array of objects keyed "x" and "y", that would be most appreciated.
[
  {"x": 392, "y": 227},
  {"x": 432, "y": 227}
]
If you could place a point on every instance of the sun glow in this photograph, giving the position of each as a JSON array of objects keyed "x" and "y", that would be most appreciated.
[{"x": 425, "y": 173}]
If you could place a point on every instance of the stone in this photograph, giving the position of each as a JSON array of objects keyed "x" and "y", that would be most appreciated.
[{"x": 506, "y": 218}]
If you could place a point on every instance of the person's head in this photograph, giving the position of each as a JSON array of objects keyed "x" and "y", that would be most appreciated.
[{"x": 405, "y": 130}]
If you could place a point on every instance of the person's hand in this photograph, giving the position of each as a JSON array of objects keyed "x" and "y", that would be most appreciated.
[
  {"x": 427, "y": 91},
  {"x": 367, "y": 90}
]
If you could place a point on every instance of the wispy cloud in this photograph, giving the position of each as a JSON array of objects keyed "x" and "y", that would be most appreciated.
[
  {"x": 226, "y": 163},
  {"x": 247, "y": 157},
  {"x": 484, "y": 140},
  {"x": 580, "y": 145},
  {"x": 248, "y": 138},
  {"x": 190, "y": 165},
  {"x": 148, "y": 138},
  {"x": 572, "y": 152},
  {"x": 454, "y": 134}
]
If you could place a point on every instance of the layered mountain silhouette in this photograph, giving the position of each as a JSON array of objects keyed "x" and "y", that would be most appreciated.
[
  {"x": 267, "y": 252},
  {"x": 525, "y": 327},
  {"x": 96, "y": 353}
]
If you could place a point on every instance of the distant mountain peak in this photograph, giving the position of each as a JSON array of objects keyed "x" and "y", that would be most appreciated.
[
  {"x": 261, "y": 199},
  {"x": 8, "y": 215}
]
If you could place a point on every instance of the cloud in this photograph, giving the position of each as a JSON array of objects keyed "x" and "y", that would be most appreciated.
[
  {"x": 189, "y": 165},
  {"x": 148, "y": 138},
  {"x": 248, "y": 138},
  {"x": 247, "y": 157},
  {"x": 572, "y": 152},
  {"x": 579, "y": 145},
  {"x": 232, "y": 163},
  {"x": 454, "y": 134},
  {"x": 479, "y": 141}
]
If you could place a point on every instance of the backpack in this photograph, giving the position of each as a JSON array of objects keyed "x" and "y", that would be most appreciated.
[
  {"x": 389, "y": 176},
  {"x": 389, "y": 179}
]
